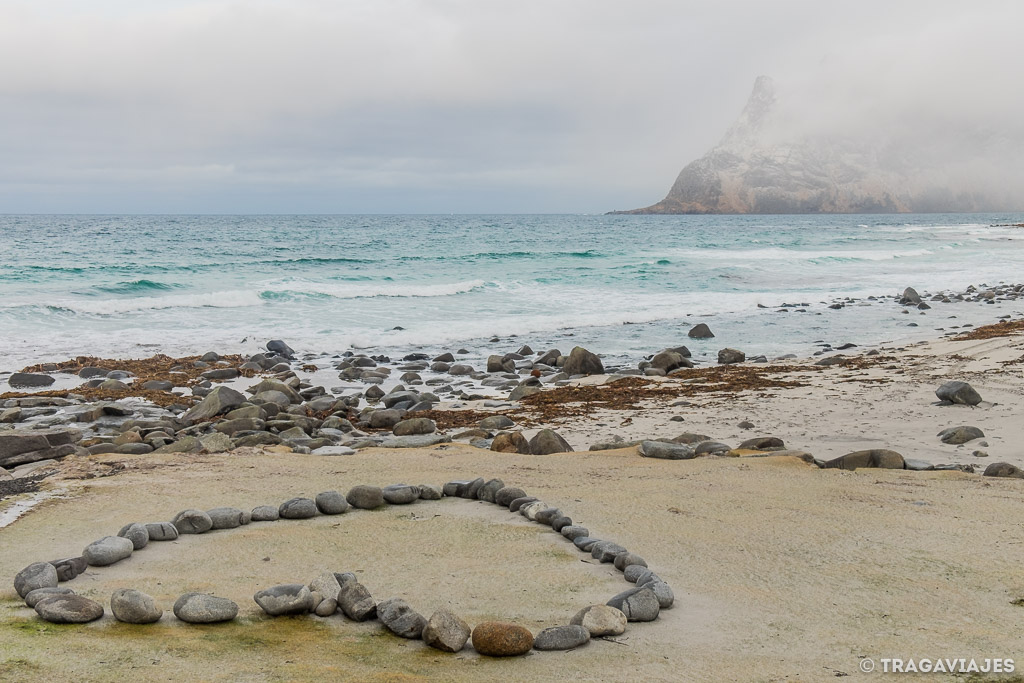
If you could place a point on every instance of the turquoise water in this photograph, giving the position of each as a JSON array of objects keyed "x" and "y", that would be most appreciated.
[{"x": 624, "y": 286}]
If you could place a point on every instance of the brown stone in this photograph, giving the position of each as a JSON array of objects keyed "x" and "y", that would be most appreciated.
[{"x": 499, "y": 639}]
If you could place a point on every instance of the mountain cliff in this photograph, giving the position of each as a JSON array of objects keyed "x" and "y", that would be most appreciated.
[{"x": 763, "y": 166}]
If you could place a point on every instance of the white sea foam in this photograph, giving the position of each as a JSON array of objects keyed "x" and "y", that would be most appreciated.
[{"x": 349, "y": 290}]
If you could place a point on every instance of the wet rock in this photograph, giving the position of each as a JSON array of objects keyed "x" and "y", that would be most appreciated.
[
  {"x": 959, "y": 435},
  {"x": 219, "y": 401},
  {"x": 280, "y": 348},
  {"x": 107, "y": 551},
  {"x": 445, "y": 631},
  {"x": 700, "y": 331},
  {"x": 401, "y": 619},
  {"x": 138, "y": 534},
  {"x": 669, "y": 360},
  {"x": 638, "y": 604},
  {"x": 289, "y": 598},
  {"x": 68, "y": 609},
  {"x": 761, "y": 443},
  {"x": 561, "y": 638},
  {"x": 496, "y": 422},
  {"x": 400, "y": 494},
  {"x": 499, "y": 639},
  {"x": 548, "y": 441},
  {"x": 298, "y": 508},
  {"x": 958, "y": 392},
  {"x": 365, "y": 497},
  {"x": 134, "y": 607},
  {"x": 36, "y": 575},
  {"x": 665, "y": 451},
  {"x": 331, "y": 503},
  {"x": 510, "y": 442},
  {"x": 879, "y": 458},
  {"x": 601, "y": 620},
  {"x": 356, "y": 602},
  {"x": 202, "y": 608},
  {"x": 29, "y": 379},
  {"x": 582, "y": 362},
  {"x": 1003, "y": 469},
  {"x": 731, "y": 356}
]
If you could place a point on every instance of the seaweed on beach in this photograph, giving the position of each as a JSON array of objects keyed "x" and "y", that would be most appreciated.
[
  {"x": 1000, "y": 329},
  {"x": 29, "y": 484},
  {"x": 457, "y": 419}
]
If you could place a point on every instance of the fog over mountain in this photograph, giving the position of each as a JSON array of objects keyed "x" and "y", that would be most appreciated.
[{"x": 465, "y": 106}]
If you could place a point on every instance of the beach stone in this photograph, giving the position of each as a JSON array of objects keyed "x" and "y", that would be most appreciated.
[
  {"x": 473, "y": 489},
  {"x": 663, "y": 592},
  {"x": 560, "y": 522},
  {"x": 530, "y": 510},
  {"x": 445, "y": 631},
  {"x": 731, "y": 356},
  {"x": 600, "y": 620},
  {"x": 400, "y": 494},
  {"x": 138, "y": 534},
  {"x": 331, "y": 503},
  {"x": 298, "y": 508},
  {"x": 326, "y": 607},
  {"x": 690, "y": 439},
  {"x": 500, "y": 639},
  {"x": 219, "y": 401},
  {"x": 107, "y": 551},
  {"x": 506, "y": 494},
  {"x": 638, "y": 604},
  {"x": 647, "y": 577},
  {"x": 547, "y": 515},
  {"x": 416, "y": 441},
  {"x": 959, "y": 435},
  {"x": 333, "y": 450},
  {"x": 288, "y": 598},
  {"x": 68, "y": 609},
  {"x": 29, "y": 379},
  {"x": 203, "y": 608},
  {"x": 365, "y": 497},
  {"x": 528, "y": 387},
  {"x": 228, "y": 517},
  {"x": 606, "y": 551},
  {"x": 582, "y": 362},
  {"x": 134, "y": 449},
  {"x": 216, "y": 443},
  {"x": 496, "y": 422},
  {"x": 35, "y": 576},
  {"x": 265, "y": 513},
  {"x": 280, "y": 348},
  {"x": 572, "y": 532},
  {"x": 624, "y": 560},
  {"x": 710, "y": 448},
  {"x": 33, "y": 598},
  {"x": 416, "y": 425},
  {"x": 548, "y": 441},
  {"x": 356, "y": 602},
  {"x": 879, "y": 458},
  {"x": 561, "y": 638},
  {"x": 489, "y": 491},
  {"x": 585, "y": 543},
  {"x": 760, "y": 443},
  {"x": 401, "y": 619},
  {"x": 669, "y": 360},
  {"x": 134, "y": 607},
  {"x": 1003, "y": 469},
  {"x": 663, "y": 450},
  {"x": 510, "y": 442},
  {"x": 70, "y": 567},
  {"x": 910, "y": 296},
  {"x": 700, "y": 331},
  {"x": 633, "y": 572},
  {"x": 518, "y": 503},
  {"x": 327, "y": 585},
  {"x": 430, "y": 492},
  {"x": 186, "y": 444},
  {"x": 958, "y": 392}
]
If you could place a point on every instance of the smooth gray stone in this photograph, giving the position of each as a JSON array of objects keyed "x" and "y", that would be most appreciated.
[
  {"x": 504, "y": 496},
  {"x": 192, "y": 522},
  {"x": 69, "y": 609},
  {"x": 530, "y": 510},
  {"x": 572, "y": 532},
  {"x": 297, "y": 508},
  {"x": 647, "y": 577},
  {"x": 547, "y": 515},
  {"x": 473, "y": 489},
  {"x": 365, "y": 497},
  {"x": 663, "y": 592},
  {"x": 36, "y": 575},
  {"x": 69, "y": 567},
  {"x": 228, "y": 517},
  {"x": 496, "y": 422},
  {"x": 107, "y": 551},
  {"x": 138, "y": 534},
  {"x": 33, "y": 598},
  {"x": 29, "y": 379},
  {"x": 666, "y": 451},
  {"x": 401, "y": 619},
  {"x": 161, "y": 531},
  {"x": 328, "y": 586},
  {"x": 289, "y": 598},
  {"x": 624, "y": 560},
  {"x": 918, "y": 465},
  {"x": 134, "y": 449},
  {"x": 220, "y": 400},
  {"x": 326, "y": 607},
  {"x": 430, "y": 492},
  {"x": 413, "y": 426},
  {"x": 561, "y": 638},
  {"x": 600, "y": 620},
  {"x": 638, "y": 604},
  {"x": 400, "y": 494},
  {"x": 548, "y": 441},
  {"x": 134, "y": 607},
  {"x": 331, "y": 503},
  {"x": 455, "y": 488},
  {"x": 445, "y": 631},
  {"x": 489, "y": 491},
  {"x": 958, "y": 392},
  {"x": 559, "y": 523},
  {"x": 585, "y": 543},
  {"x": 517, "y": 504},
  {"x": 606, "y": 551},
  {"x": 711, "y": 448},
  {"x": 202, "y": 608},
  {"x": 416, "y": 441},
  {"x": 345, "y": 578},
  {"x": 356, "y": 602},
  {"x": 959, "y": 435},
  {"x": 265, "y": 513}
]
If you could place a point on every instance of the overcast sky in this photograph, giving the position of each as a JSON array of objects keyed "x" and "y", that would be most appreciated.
[{"x": 466, "y": 106}]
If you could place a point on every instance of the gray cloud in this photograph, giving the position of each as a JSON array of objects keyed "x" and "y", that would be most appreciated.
[{"x": 461, "y": 105}]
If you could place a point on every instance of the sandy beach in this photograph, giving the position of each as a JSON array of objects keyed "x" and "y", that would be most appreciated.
[{"x": 781, "y": 570}]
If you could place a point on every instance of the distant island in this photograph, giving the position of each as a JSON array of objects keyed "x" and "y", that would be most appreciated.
[{"x": 766, "y": 165}]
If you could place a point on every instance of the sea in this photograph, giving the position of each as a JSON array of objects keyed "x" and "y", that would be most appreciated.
[{"x": 130, "y": 286}]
